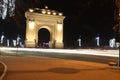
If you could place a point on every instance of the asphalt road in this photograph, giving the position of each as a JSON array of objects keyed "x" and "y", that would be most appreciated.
[
  {"x": 78, "y": 57},
  {"x": 30, "y": 65}
]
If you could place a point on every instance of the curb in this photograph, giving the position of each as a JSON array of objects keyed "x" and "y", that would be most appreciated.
[{"x": 5, "y": 70}]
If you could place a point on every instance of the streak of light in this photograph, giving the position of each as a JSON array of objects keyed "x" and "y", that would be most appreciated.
[{"x": 97, "y": 52}]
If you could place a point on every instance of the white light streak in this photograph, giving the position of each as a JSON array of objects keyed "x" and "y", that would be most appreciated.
[{"x": 111, "y": 53}]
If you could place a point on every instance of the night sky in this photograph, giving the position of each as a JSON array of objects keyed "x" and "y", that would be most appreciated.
[{"x": 85, "y": 18}]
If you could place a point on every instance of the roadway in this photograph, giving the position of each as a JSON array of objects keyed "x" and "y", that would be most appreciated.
[
  {"x": 91, "y": 55},
  {"x": 48, "y": 64}
]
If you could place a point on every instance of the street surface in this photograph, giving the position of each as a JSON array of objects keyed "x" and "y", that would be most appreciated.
[
  {"x": 43, "y": 68},
  {"x": 35, "y": 65},
  {"x": 92, "y": 55}
]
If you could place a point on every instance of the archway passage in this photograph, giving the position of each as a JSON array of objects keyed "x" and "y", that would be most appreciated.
[{"x": 43, "y": 38}]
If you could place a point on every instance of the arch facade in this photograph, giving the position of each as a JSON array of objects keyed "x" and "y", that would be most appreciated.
[{"x": 36, "y": 21}]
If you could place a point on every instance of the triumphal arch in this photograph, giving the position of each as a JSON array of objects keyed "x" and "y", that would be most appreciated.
[{"x": 37, "y": 19}]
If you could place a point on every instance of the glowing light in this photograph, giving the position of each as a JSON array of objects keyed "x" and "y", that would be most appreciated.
[
  {"x": 48, "y": 12},
  {"x": 59, "y": 27},
  {"x": 31, "y": 10},
  {"x": 98, "y": 40},
  {"x": 31, "y": 24},
  {"x": 46, "y": 7},
  {"x": 2, "y": 38},
  {"x": 54, "y": 13},
  {"x": 79, "y": 41},
  {"x": 60, "y": 14},
  {"x": 43, "y": 11},
  {"x": 112, "y": 42}
]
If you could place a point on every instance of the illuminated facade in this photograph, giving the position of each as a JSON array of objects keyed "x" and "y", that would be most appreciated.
[{"x": 51, "y": 20}]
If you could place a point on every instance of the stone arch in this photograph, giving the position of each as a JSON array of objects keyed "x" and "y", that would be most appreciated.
[{"x": 53, "y": 22}]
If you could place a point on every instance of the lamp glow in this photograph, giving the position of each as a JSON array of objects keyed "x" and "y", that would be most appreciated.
[
  {"x": 31, "y": 24},
  {"x": 48, "y": 12},
  {"x": 59, "y": 27},
  {"x": 43, "y": 11},
  {"x": 31, "y": 10},
  {"x": 54, "y": 13},
  {"x": 60, "y": 14}
]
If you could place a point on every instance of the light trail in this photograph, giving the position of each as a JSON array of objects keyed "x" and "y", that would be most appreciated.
[{"x": 97, "y": 52}]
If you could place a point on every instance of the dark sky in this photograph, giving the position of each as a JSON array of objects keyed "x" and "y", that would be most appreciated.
[{"x": 86, "y": 18}]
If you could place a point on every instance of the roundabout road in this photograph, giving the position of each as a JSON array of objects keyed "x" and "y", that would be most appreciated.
[
  {"x": 43, "y": 68},
  {"x": 30, "y": 65},
  {"x": 91, "y": 55}
]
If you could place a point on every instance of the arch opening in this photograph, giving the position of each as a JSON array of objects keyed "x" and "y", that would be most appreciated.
[{"x": 43, "y": 38}]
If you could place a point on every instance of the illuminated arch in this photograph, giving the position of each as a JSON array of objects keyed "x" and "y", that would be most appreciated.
[{"x": 51, "y": 20}]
